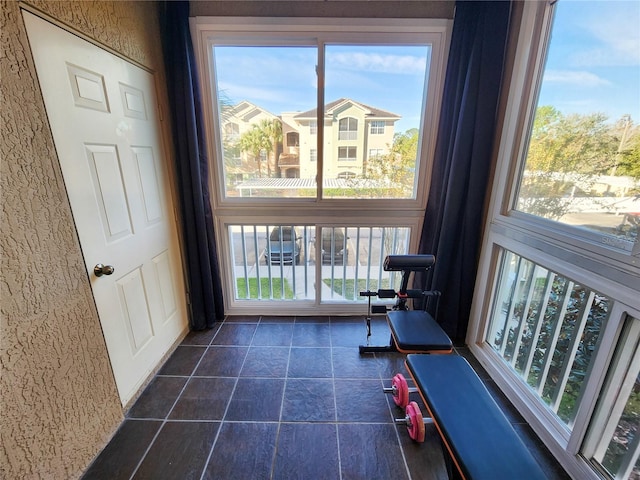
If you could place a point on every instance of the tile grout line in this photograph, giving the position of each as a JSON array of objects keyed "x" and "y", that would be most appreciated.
[
  {"x": 284, "y": 391},
  {"x": 280, "y": 422},
  {"x": 335, "y": 400},
  {"x": 226, "y": 410},
  {"x": 391, "y": 412},
  {"x": 164, "y": 421},
  {"x": 338, "y": 352},
  {"x": 395, "y": 426}
]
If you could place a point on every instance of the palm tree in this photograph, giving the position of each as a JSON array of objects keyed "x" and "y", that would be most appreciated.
[
  {"x": 230, "y": 145},
  {"x": 254, "y": 141},
  {"x": 273, "y": 132}
]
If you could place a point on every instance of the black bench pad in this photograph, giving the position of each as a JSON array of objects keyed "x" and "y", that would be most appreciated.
[
  {"x": 415, "y": 331},
  {"x": 479, "y": 437}
]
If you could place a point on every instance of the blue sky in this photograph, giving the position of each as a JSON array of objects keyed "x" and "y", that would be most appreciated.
[
  {"x": 282, "y": 79},
  {"x": 593, "y": 66}
]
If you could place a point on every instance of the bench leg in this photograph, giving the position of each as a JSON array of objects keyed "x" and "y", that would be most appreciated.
[{"x": 379, "y": 349}]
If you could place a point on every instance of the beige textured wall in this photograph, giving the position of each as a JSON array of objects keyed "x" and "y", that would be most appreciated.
[{"x": 58, "y": 400}]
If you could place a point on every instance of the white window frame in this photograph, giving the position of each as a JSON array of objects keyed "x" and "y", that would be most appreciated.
[
  {"x": 318, "y": 32},
  {"x": 377, "y": 127},
  {"x": 233, "y": 129},
  {"x": 351, "y": 130},
  {"x": 560, "y": 248},
  {"x": 376, "y": 152},
  {"x": 351, "y": 154},
  {"x": 616, "y": 391}
]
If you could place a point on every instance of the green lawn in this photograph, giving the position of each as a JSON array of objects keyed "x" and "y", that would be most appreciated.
[
  {"x": 349, "y": 285},
  {"x": 267, "y": 290}
]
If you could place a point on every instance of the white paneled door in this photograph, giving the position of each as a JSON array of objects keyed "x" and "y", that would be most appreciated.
[{"x": 103, "y": 115}]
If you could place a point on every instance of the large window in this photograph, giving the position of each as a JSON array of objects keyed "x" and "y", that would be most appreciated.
[
  {"x": 558, "y": 290},
  {"x": 263, "y": 78},
  {"x": 582, "y": 167},
  {"x": 546, "y": 327},
  {"x": 303, "y": 94}
]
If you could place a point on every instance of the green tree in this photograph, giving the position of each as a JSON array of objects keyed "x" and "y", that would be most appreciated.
[
  {"x": 566, "y": 155},
  {"x": 582, "y": 144},
  {"x": 254, "y": 141},
  {"x": 230, "y": 148},
  {"x": 630, "y": 158},
  {"x": 628, "y": 154},
  {"x": 393, "y": 174}
]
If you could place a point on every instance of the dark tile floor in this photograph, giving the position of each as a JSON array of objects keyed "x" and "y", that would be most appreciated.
[{"x": 280, "y": 398}]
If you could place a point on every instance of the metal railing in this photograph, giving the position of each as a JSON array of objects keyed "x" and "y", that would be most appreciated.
[
  {"x": 284, "y": 262},
  {"x": 546, "y": 327}
]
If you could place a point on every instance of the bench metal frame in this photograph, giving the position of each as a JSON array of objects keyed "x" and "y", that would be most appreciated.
[{"x": 406, "y": 264}]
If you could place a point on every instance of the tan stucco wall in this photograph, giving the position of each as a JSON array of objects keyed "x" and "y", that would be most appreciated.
[{"x": 58, "y": 400}]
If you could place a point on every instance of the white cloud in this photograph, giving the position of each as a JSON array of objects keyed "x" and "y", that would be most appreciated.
[
  {"x": 575, "y": 77},
  {"x": 618, "y": 56},
  {"x": 616, "y": 28},
  {"x": 373, "y": 62}
]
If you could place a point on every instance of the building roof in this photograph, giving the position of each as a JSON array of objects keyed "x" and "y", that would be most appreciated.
[
  {"x": 329, "y": 108},
  {"x": 246, "y": 111},
  {"x": 298, "y": 183}
]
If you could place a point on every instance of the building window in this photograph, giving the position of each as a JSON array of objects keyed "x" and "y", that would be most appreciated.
[
  {"x": 233, "y": 155},
  {"x": 375, "y": 152},
  {"x": 313, "y": 155},
  {"x": 313, "y": 127},
  {"x": 232, "y": 130},
  {"x": 556, "y": 300},
  {"x": 348, "y": 129},
  {"x": 347, "y": 154},
  {"x": 377, "y": 127},
  {"x": 293, "y": 139}
]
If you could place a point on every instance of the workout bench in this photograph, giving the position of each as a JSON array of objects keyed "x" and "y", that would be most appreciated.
[
  {"x": 412, "y": 331},
  {"x": 480, "y": 440}
]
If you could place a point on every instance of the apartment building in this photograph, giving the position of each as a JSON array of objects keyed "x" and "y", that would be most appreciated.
[{"x": 353, "y": 132}]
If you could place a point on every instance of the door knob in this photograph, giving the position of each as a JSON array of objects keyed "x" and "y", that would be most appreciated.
[{"x": 101, "y": 269}]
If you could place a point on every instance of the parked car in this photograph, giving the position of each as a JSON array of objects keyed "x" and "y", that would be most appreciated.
[
  {"x": 284, "y": 246},
  {"x": 334, "y": 245}
]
